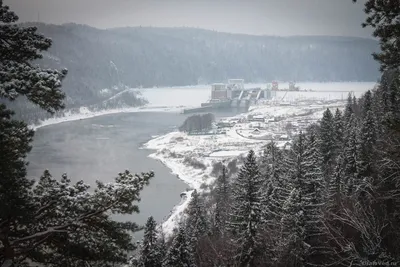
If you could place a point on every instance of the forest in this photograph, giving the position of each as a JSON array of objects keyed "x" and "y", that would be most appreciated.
[
  {"x": 331, "y": 199},
  {"x": 198, "y": 123}
]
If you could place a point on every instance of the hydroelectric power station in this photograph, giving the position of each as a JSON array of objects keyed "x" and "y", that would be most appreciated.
[{"x": 232, "y": 96}]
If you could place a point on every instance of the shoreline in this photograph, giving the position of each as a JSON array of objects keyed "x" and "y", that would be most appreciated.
[
  {"x": 87, "y": 114},
  {"x": 186, "y": 175}
]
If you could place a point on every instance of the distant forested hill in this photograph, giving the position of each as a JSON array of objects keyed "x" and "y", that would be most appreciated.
[{"x": 102, "y": 62}]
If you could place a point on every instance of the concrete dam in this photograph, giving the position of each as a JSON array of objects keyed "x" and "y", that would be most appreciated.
[{"x": 232, "y": 96}]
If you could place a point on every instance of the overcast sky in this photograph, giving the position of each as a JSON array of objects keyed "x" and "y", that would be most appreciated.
[{"x": 269, "y": 17}]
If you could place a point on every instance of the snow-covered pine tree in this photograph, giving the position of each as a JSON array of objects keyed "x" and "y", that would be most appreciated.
[
  {"x": 273, "y": 172},
  {"x": 196, "y": 223},
  {"x": 150, "y": 254},
  {"x": 355, "y": 106},
  {"x": 53, "y": 222},
  {"x": 221, "y": 203},
  {"x": 302, "y": 228},
  {"x": 295, "y": 159},
  {"x": 383, "y": 17},
  {"x": 267, "y": 207},
  {"x": 72, "y": 225},
  {"x": 335, "y": 185},
  {"x": 366, "y": 103},
  {"x": 346, "y": 168},
  {"x": 19, "y": 77},
  {"x": 348, "y": 111},
  {"x": 314, "y": 196},
  {"x": 348, "y": 135},
  {"x": 327, "y": 144},
  {"x": 179, "y": 253},
  {"x": 350, "y": 158},
  {"x": 245, "y": 218},
  {"x": 15, "y": 138},
  {"x": 366, "y": 147},
  {"x": 162, "y": 245},
  {"x": 338, "y": 131},
  {"x": 292, "y": 246},
  {"x": 391, "y": 101}
]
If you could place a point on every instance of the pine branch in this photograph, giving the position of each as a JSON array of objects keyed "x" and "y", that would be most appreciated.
[{"x": 49, "y": 231}]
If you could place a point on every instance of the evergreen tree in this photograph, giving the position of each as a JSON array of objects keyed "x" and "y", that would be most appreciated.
[
  {"x": 245, "y": 219},
  {"x": 150, "y": 254},
  {"x": 302, "y": 214},
  {"x": 335, "y": 185},
  {"x": 346, "y": 170},
  {"x": 273, "y": 172},
  {"x": 391, "y": 109},
  {"x": 351, "y": 158},
  {"x": 327, "y": 143},
  {"x": 314, "y": 199},
  {"x": 366, "y": 104},
  {"x": 196, "y": 224},
  {"x": 52, "y": 222},
  {"x": 338, "y": 130},
  {"x": 15, "y": 138},
  {"x": 180, "y": 253},
  {"x": 384, "y": 18},
  {"x": 366, "y": 146},
  {"x": 19, "y": 77},
  {"x": 162, "y": 246},
  {"x": 272, "y": 163},
  {"x": 355, "y": 106},
  {"x": 221, "y": 203},
  {"x": 292, "y": 245},
  {"x": 72, "y": 225},
  {"x": 348, "y": 112}
]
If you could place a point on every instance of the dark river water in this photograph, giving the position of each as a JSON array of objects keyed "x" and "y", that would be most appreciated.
[{"x": 101, "y": 147}]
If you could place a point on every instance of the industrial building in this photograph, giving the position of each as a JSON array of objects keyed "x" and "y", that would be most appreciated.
[{"x": 232, "y": 95}]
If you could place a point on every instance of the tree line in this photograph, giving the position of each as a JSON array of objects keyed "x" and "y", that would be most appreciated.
[{"x": 197, "y": 123}]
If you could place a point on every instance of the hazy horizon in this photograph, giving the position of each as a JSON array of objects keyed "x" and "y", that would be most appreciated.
[{"x": 257, "y": 17}]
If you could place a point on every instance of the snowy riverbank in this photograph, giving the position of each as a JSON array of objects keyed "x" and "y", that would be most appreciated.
[{"x": 85, "y": 113}]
